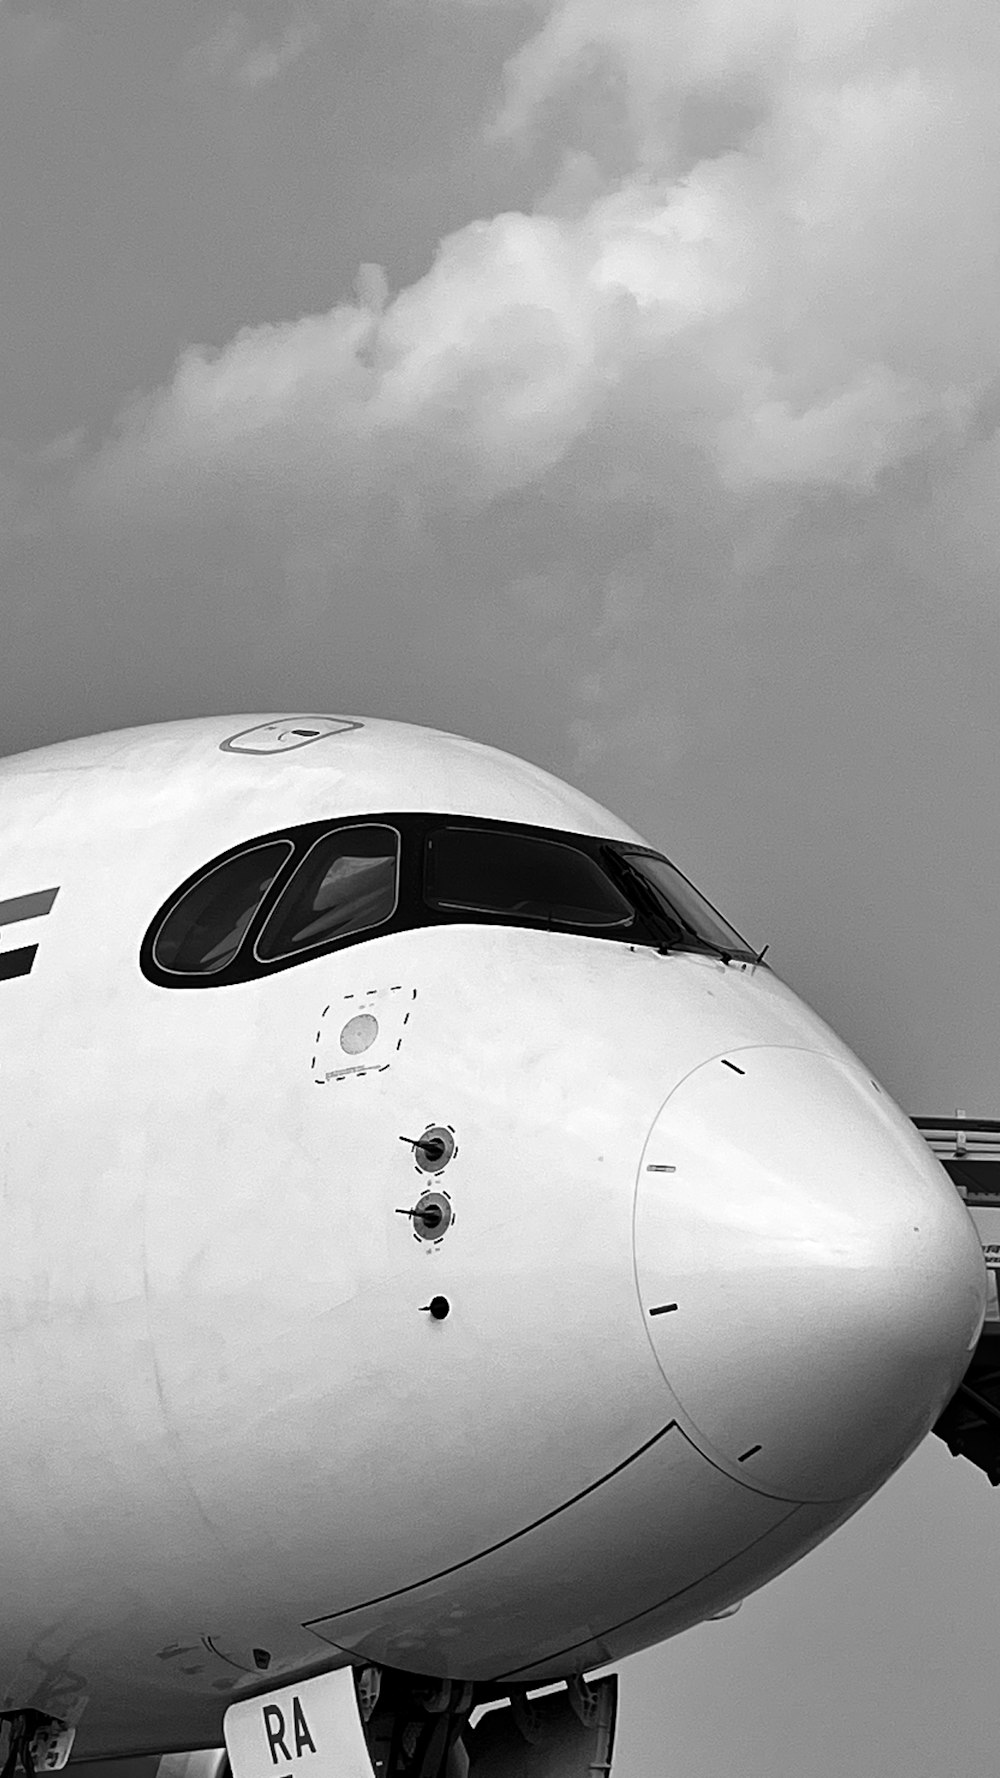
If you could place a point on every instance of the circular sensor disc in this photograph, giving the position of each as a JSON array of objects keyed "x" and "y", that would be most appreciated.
[{"x": 359, "y": 1034}]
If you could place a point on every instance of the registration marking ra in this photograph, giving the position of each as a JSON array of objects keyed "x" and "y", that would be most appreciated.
[
  {"x": 276, "y": 1730},
  {"x": 309, "y": 1730}
]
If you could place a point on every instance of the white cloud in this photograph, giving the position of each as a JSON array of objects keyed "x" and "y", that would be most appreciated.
[
  {"x": 792, "y": 303},
  {"x": 666, "y": 361}
]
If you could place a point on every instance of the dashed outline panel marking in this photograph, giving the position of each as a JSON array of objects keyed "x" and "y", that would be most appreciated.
[{"x": 386, "y": 1005}]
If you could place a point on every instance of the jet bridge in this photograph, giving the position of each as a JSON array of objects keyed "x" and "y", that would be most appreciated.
[{"x": 969, "y": 1151}]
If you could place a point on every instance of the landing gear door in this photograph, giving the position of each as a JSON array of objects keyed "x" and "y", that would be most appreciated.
[{"x": 566, "y": 1734}]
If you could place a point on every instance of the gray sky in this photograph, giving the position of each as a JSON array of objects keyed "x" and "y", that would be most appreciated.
[{"x": 616, "y": 381}]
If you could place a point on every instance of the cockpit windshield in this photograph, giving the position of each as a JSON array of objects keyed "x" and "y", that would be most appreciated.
[
  {"x": 687, "y": 920},
  {"x": 289, "y": 897},
  {"x": 493, "y": 871}
]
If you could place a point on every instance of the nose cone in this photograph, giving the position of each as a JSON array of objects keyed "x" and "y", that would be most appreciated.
[{"x": 828, "y": 1280}]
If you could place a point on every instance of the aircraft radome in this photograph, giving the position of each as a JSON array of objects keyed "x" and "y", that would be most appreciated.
[{"x": 440, "y": 1257}]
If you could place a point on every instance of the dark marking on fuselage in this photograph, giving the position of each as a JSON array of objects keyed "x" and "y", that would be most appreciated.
[
  {"x": 27, "y": 907},
  {"x": 14, "y": 963},
  {"x": 23, "y": 907}
]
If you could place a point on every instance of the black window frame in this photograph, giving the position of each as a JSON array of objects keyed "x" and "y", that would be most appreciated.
[{"x": 412, "y": 911}]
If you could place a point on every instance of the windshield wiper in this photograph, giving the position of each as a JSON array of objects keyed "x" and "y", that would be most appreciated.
[
  {"x": 675, "y": 934},
  {"x": 696, "y": 943}
]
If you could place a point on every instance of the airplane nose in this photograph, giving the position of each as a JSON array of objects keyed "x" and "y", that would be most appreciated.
[{"x": 811, "y": 1282}]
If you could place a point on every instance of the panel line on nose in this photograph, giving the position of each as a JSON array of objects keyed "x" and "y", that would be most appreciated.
[
  {"x": 831, "y": 1276},
  {"x": 554, "y": 1512}
]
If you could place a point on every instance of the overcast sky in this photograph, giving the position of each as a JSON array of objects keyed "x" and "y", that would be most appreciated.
[{"x": 615, "y": 381}]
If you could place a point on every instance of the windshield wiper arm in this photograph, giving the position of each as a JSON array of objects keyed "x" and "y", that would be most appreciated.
[
  {"x": 675, "y": 934},
  {"x": 695, "y": 942}
]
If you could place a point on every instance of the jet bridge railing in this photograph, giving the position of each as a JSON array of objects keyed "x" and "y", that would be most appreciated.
[{"x": 969, "y": 1151}]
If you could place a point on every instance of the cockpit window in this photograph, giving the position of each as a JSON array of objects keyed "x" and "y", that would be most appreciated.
[
  {"x": 683, "y": 914},
  {"x": 203, "y": 932},
  {"x": 286, "y": 897},
  {"x": 491, "y": 871},
  {"x": 346, "y": 883}
]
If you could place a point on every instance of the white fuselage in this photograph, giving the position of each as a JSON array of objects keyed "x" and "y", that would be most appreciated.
[{"x": 231, "y": 1423}]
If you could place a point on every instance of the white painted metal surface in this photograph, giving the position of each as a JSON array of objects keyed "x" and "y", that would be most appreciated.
[
  {"x": 308, "y": 1730},
  {"x": 231, "y": 1426},
  {"x": 794, "y": 1259}
]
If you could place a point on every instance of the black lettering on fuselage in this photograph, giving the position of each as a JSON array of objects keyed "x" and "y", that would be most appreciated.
[
  {"x": 301, "y": 1727},
  {"x": 274, "y": 1729}
]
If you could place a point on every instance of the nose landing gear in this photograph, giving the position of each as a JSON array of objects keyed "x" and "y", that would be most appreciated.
[
  {"x": 380, "y": 1723},
  {"x": 424, "y": 1729},
  {"x": 414, "y": 1728}
]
